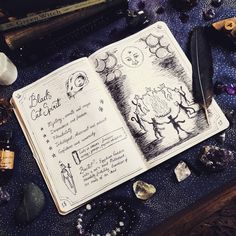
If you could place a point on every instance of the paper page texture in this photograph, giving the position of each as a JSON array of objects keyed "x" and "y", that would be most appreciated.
[
  {"x": 150, "y": 79},
  {"x": 79, "y": 139}
]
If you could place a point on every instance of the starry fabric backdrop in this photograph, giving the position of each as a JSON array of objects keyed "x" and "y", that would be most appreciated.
[{"x": 171, "y": 196}]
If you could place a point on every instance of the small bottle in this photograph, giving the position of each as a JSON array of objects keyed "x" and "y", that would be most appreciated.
[{"x": 6, "y": 153}]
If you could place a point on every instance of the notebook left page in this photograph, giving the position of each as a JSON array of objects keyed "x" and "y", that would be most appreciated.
[{"x": 76, "y": 134}]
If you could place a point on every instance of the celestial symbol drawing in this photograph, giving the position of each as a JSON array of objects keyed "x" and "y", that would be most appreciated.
[
  {"x": 107, "y": 66},
  {"x": 50, "y": 148},
  {"x": 76, "y": 158},
  {"x": 41, "y": 128},
  {"x": 102, "y": 101},
  {"x": 100, "y": 109},
  {"x": 75, "y": 83},
  {"x": 44, "y": 135},
  {"x": 158, "y": 45},
  {"x": 47, "y": 141},
  {"x": 67, "y": 177},
  {"x": 132, "y": 57}
]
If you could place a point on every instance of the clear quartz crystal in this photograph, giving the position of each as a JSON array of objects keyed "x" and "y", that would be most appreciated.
[
  {"x": 182, "y": 171},
  {"x": 143, "y": 190}
]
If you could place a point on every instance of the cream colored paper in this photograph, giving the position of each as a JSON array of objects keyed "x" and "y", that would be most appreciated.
[{"x": 98, "y": 122}]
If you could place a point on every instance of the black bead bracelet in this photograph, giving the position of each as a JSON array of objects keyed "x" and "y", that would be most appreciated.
[{"x": 126, "y": 217}]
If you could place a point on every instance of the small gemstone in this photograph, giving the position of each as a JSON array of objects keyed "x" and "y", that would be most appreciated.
[
  {"x": 80, "y": 220},
  {"x": 231, "y": 117},
  {"x": 219, "y": 88},
  {"x": 79, "y": 226},
  {"x": 108, "y": 234},
  {"x": 118, "y": 229},
  {"x": 143, "y": 190},
  {"x": 182, "y": 171},
  {"x": 215, "y": 158},
  {"x": 209, "y": 14},
  {"x": 216, "y": 3},
  {"x": 221, "y": 137},
  {"x": 4, "y": 196},
  {"x": 160, "y": 10},
  {"x": 137, "y": 19},
  {"x": 121, "y": 223},
  {"x": 230, "y": 89},
  {"x": 184, "y": 17},
  {"x": 88, "y": 207},
  {"x": 113, "y": 233}
]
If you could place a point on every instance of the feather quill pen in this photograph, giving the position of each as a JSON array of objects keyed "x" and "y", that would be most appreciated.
[{"x": 202, "y": 67}]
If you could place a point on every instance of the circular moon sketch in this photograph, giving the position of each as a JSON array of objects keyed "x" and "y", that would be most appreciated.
[{"x": 132, "y": 57}]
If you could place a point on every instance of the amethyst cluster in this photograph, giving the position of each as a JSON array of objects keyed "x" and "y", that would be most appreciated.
[
  {"x": 225, "y": 88},
  {"x": 215, "y": 158}
]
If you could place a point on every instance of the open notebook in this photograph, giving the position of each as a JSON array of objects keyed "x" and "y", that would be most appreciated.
[{"x": 100, "y": 121}]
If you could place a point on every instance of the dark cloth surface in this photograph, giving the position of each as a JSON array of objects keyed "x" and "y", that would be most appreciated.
[{"x": 171, "y": 196}]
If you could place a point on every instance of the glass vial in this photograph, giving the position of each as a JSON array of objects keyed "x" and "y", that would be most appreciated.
[{"x": 6, "y": 153}]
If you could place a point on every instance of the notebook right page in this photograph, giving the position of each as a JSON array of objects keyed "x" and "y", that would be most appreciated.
[{"x": 150, "y": 79}]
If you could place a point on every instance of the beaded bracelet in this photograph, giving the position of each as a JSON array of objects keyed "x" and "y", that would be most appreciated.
[{"x": 126, "y": 217}]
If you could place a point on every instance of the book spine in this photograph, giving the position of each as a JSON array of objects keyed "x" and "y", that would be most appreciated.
[{"x": 48, "y": 14}]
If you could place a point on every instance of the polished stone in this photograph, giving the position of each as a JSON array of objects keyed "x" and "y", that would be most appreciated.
[
  {"x": 31, "y": 205},
  {"x": 143, "y": 190}
]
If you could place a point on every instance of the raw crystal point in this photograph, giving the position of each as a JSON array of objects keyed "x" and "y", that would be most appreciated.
[
  {"x": 4, "y": 196},
  {"x": 221, "y": 137},
  {"x": 215, "y": 158},
  {"x": 143, "y": 190},
  {"x": 31, "y": 205},
  {"x": 137, "y": 19},
  {"x": 209, "y": 14},
  {"x": 182, "y": 171}
]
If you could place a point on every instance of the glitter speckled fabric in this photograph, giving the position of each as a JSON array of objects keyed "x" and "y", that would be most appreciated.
[{"x": 171, "y": 196}]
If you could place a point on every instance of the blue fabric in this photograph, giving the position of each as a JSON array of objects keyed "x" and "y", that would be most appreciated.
[{"x": 171, "y": 196}]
